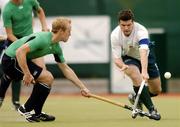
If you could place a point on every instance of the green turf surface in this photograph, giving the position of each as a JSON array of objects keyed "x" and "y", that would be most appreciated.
[{"x": 76, "y": 111}]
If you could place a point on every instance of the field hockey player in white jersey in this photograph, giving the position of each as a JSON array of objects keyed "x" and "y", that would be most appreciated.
[{"x": 133, "y": 53}]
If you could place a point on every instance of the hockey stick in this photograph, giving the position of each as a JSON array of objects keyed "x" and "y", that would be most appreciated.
[
  {"x": 138, "y": 111},
  {"x": 134, "y": 112},
  {"x": 111, "y": 102}
]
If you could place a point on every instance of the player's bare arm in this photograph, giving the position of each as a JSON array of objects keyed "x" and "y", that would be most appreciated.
[
  {"x": 42, "y": 18},
  {"x": 119, "y": 63},
  {"x": 70, "y": 75},
  {"x": 144, "y": 63},
  {"x": 21, "y": 58},
  {"x": 10, "y": 34}
]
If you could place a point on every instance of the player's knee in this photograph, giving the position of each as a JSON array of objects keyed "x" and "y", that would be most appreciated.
[
  {"x": 158, "y": 91},
  {"x": 155, "y": 86},
  {"x": 49, "y": 79},
  {"x": 46, "y": 77},
  {"x": 135, "y": 78}
]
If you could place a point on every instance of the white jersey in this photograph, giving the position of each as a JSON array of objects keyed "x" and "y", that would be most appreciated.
[{"x": 122, "y": 45}]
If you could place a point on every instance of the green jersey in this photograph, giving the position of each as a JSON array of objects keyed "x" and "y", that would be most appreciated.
[
  {"x": 40, "y": 45},
  {"x": 19, "y": 17}
]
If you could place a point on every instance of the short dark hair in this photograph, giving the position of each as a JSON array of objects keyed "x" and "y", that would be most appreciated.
[{"x": 125, "y": 15}]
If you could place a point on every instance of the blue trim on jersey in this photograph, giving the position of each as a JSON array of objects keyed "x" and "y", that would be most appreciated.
[{"x": 144, "y": 41}]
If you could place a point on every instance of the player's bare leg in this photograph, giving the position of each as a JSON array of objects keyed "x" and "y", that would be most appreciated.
[
  {"x": 154, "y": 86},
  {"x": 40, "y": 62}
]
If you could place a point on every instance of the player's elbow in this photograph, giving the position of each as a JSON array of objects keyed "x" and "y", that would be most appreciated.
[
  {"x": 19, "y": 52},
  {"x": 40, "y": 11}
]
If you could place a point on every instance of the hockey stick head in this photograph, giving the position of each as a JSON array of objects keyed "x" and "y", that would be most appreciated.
[
  {"x": 135, "y": 113},
  {"x": 142, "y": 113}
]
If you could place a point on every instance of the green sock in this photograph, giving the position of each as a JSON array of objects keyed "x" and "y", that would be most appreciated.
[
  {"x": 16, "y": 88},
  {"x": 145, "y": 97}
]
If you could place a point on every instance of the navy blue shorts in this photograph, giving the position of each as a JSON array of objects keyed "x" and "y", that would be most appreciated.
[
  {"x": 153, "y": 70},
  {"x": 11, "y": 68}
]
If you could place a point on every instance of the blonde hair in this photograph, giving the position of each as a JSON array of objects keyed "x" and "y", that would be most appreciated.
[{"x": 60, "y": 23}]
